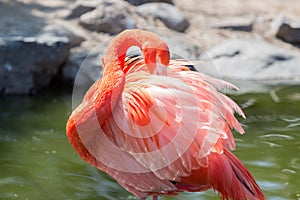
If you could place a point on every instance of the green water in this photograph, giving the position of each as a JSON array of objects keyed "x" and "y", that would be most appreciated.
[{"x": 37, "y": 162}]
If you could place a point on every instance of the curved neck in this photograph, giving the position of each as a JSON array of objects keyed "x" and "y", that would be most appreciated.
[
  {"x": 113, "y": 79},
  {"x": 116, "y": 52},
  {"x": 150, "y": 44}
]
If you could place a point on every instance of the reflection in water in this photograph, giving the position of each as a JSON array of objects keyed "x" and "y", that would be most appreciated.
[{"x": 37, "y": 161}]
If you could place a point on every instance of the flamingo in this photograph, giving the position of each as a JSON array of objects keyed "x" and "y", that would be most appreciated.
[{"x": 158, "y": 128}]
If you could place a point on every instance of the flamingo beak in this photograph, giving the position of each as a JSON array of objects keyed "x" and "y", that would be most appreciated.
[
  {"x": 160, "y": 69},
  {"x": 157, "y": 61},
  {"x": 162, "y": 62}
]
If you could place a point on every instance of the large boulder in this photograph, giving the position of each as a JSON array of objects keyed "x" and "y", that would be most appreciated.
[
  {"x": 30, "y": 63},
  {"x": 252, "y": 60},
  {"x": 74, "y": 35},
  {"x": 235, "y": 24},
  {"x": 110, "y": 17},
  {"x": 81, "y": 7},
  {"x": 114, "y": 16},
  {"x": 181, "y": 46},
  {"x": 140, "y": 2},
  {"x": 286, "y": 29},
  {"x": 171, "y": 16},
  {"x": 81, "y": 71},
  {"x": 84, "y": 66}
]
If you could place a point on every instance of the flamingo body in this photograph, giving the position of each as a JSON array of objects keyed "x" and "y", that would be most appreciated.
[{"x": 158, "y": 128}]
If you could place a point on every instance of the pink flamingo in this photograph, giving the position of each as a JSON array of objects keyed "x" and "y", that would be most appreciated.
[{"x": 158, "y": 128}]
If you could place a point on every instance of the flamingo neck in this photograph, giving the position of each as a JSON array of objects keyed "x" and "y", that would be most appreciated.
[
  {"x": 111, "y": 87},
  {"x": 116, "y": 52},
  {"x": 113, "y": 80}
]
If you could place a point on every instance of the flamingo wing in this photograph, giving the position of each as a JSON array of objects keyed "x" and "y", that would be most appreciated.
[
  {"x": 170, "y": 124},
  {"x": 97, "y": 147}
]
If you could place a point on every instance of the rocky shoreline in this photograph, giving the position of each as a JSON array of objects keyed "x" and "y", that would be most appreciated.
[{"x": 41, "y": 42}]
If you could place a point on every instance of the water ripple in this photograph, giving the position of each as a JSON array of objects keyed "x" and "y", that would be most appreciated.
[
  {"x": 290, "y": 118},
  {"x": 288, "y": 171},
  {"x": 271, "y": 144},
  {"x": 293, "y": 125},
  {"x": 262, "y": 118},
  {"x": 271, "y": 186},
  {"x": 295, "y": 163},
  {"x": 277, "y": 137},
  {"x": 262, "y": 163},
  {"x": 294, "y": 96},
  {"x": 248, "y": 103},
  {"x": 79, "y": 175}
]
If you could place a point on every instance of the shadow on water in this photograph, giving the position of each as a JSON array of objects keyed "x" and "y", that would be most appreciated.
[{"x": 37, "y": 160}]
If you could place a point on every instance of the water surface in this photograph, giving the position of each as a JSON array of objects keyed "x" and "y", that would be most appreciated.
[{"x": 37, "y": 161}]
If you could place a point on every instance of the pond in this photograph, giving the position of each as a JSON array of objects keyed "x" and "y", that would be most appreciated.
[{"x": 37, "y": 161}]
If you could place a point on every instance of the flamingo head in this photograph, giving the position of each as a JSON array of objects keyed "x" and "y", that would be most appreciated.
[
  {"x": 156, "y": 52},
  {"x": 156, "y": 57}
]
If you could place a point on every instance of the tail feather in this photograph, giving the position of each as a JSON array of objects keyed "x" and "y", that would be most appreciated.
[{"x": 230, "y": 177}]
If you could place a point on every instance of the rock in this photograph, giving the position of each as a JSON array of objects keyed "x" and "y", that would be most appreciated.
[
  {"x": 59, "y": 30},
  {"x": 81, "y": 7},
  {"x": 287, "y": 30},
  {"x": 140, "y": 2},
  {"x": 17, "y": 19},
  {"x": 235, "y": 24},
  {"x": 84, "y": 66},
  {"x": 168, "y": 14},
  {"x": 70, "y": 69},
  {"x": 110, "y": 17},
  {"x": 81, "y": 71},
  {"x": 29, "y": 63},
  {"x": 181, "y": 46},
  {"x": 108, "y": 22},
  {"x": 252, "y": 60}
]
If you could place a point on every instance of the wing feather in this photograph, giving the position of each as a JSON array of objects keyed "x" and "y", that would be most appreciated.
[{"x": 169, "y": 124}]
